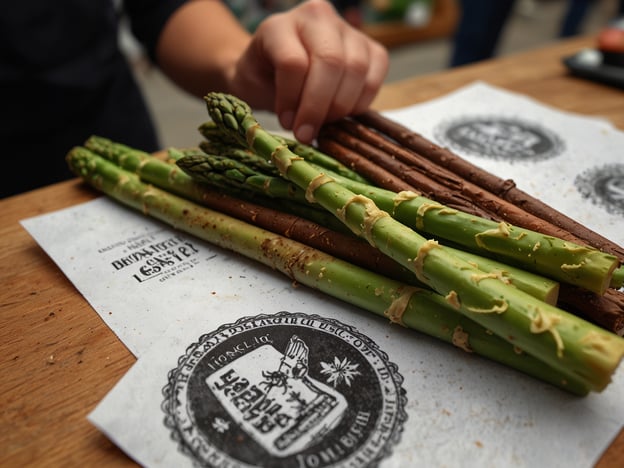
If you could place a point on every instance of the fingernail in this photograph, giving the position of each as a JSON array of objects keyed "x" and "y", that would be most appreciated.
[
  {"x": 286, "y": 119},
  {"x": 305, "y": 133}
]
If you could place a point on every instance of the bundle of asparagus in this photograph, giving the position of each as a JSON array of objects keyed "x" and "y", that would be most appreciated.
[
  {"x": 374, "y": 144},
  {"x": 508, "y": 243},
  {"x": 503, "y": 189},
  {"x": 475, "y": 309}
]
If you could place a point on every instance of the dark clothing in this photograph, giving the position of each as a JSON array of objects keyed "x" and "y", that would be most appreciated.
[
  {"x": 573, "y": 17},
  {"x": 482, "y": 22},
  {"x": 479, "y": 29},
  {"x": 63, "y": 78},
  {"x": 575, "y": 14}
]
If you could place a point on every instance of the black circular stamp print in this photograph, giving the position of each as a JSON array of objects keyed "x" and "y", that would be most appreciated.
[
  {"x": 604, "y": 186},
  {"x": 287, "y": 390},
  {"x": 499, "y": 138}
]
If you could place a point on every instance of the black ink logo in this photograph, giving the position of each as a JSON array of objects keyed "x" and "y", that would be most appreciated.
[
  {"x": 153, "y": 255},
  {"x": 287, "y": 390},
  {"x": 499, "y": 138},
  {"x": 604, "y": 186}
]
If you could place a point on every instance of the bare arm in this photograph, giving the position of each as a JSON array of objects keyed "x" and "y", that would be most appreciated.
[
  {"x": 200, "y": 46},
  {"x": 307, "y": 65}
]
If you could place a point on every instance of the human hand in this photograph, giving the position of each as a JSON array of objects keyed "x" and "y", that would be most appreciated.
[{"x": 309, "y": 66}]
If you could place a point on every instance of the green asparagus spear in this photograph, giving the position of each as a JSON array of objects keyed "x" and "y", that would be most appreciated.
[
  {"x": 222, "y": 143},
  {"x": 242, "y": 155},
  {"x": 167, "y": 176},
  {"x": 211, "y": 169},
  {"x": 318, "y": 158},
  {"x": 413, "y": 307},
  {"x": 562, "y": 340},
  {"x": 547, "y": 256},
  {"x": 170, "y": 177}
]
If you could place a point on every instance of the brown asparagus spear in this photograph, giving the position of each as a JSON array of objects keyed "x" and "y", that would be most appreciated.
[
  {"x": 503, "y": 188},
  {"x": 364, "y": 147},
  {"x": 383, "y": 175},
  {"x": 442, "y": 183},
  {"x": 606, "y": 311}
]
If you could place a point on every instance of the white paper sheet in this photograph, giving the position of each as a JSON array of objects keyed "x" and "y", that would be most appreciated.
[{"x": 163, "y": 292}]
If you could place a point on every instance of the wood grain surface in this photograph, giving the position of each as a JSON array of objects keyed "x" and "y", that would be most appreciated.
[{"x": 59, "y": 359}]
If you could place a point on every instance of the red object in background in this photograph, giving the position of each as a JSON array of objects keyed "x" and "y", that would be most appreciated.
[
  {"x": 611, "y": 39},
  {"x": 611, "y": 43}
]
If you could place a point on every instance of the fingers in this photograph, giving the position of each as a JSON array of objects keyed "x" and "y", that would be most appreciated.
[
  {"x": 346, "y": 70},
  {"x": 323, "y": 69},
  {"x": 355, "y": 67},
  {"x": 322, "y": 80},
  {"x": 290, "y": 75},
  {"x": 375, "y": 76}
]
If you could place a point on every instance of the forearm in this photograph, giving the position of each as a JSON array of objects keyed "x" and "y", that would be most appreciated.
[{"x": 200, "y": 45}]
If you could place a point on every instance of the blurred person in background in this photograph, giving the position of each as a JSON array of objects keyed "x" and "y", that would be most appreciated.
[
  {"x": 478, "y": 32},
  {"x": 576, "y": 13},
  {"x": 482, "y": 23},
  {"x": 63, "y": 76}
]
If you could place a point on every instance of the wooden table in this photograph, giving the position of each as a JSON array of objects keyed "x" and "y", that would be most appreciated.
[
  {"x": 444, "y": 19},
  {"x": 59, "y": 359}
]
